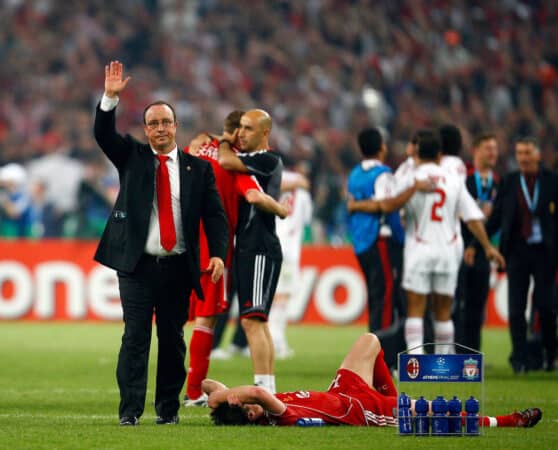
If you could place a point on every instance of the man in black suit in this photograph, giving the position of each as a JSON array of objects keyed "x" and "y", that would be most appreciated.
[
  {"x": 525, "y": 212},
  {"x": 151, "y": 239}
]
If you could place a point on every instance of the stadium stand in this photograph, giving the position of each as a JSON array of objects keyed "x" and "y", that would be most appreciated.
[{"x": 400, "y": 65}]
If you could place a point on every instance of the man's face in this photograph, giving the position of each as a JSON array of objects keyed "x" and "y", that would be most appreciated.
[
  {"x": 527, "y": 156},
  {"x": 488, "y": 153},
  {"x": 160, "y": 128},
  {"x": 254, "y": 412},
  {"x": 251, "y": 134}
]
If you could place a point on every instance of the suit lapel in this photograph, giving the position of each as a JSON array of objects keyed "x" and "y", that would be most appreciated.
[
  {"x": 145, "y": 170},
  {"x": 185, "y": 174},
  {"x": 543, "y": 191}
]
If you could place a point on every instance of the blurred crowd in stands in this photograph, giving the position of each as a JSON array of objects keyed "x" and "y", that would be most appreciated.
[{"x": 324, "y": 69}]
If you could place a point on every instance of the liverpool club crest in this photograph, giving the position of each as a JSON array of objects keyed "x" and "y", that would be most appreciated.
[{"x": 470, "y": 369}]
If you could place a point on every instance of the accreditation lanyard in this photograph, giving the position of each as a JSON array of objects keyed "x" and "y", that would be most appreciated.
[
  {"x": 483, "y": 194},
  {"x": 531, "y": 202}
]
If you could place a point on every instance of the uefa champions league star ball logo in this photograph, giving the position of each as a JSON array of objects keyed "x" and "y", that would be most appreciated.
[
  {"x": 413, "y": 368},
  {"x": 470, "y": 369}
]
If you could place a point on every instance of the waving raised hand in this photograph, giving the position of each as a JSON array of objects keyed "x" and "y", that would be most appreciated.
[{"x": 114, "y": 83}]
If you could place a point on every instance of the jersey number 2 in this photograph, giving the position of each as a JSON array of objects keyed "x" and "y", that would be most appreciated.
[{"x": 434, "y": 213}]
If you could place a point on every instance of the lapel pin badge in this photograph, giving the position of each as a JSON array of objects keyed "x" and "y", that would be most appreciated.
[{"x": 551, "y": 207}]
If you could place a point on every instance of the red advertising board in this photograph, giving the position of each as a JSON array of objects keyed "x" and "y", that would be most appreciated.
[{"x": 58, "y": 280}]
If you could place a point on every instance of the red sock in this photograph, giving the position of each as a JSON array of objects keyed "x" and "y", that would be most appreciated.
[
  {"x": 200, "y": 348},
  {"x": 382, "y": 377},
  {"x": 507, "y": 421}
]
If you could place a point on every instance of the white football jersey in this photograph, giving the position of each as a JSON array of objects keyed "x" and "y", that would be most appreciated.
[
  {"x": 406, "y": 168},
  {"x": 290, "y": 229},
  {"x": 454, "y": 164},
  {"x": 433, "y": 241},
  {"x": 433, "y": 217}
]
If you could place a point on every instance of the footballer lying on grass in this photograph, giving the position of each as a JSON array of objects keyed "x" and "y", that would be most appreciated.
[{"x": 362, "y": 394}]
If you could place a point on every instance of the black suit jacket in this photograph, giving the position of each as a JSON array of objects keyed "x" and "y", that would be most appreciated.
[
  {"x": 123, "y": 240},
  {"x": 504, "y": 214}
]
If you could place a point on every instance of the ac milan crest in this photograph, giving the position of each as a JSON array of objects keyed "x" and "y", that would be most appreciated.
[{"x": 413, "y": 368}]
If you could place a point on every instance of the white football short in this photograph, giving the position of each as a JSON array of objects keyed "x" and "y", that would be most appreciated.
[
  {"x": 430, "y": 282},
  {"x": 431, "y": 268}
]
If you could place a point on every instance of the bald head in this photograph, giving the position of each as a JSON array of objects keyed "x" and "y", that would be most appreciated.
[
  {"x": 255, "y": 127},
  {"x": 261, "y": 117}
]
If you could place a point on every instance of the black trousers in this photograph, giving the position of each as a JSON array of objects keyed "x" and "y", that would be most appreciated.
[
  {"x": 161, "y": 287},
  {"x": 527, "y": 261},
  {"x": 471, "y": 296},
  {"x": 381, "y": 266}
]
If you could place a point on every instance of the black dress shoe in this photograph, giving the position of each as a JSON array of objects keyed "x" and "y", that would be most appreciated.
[
  {"x": 171, "y": 420},
  {"x": 129, "y": 421},
  {"x": 518, "y": 366}
]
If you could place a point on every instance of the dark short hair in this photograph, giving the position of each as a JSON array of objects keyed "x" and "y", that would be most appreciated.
[
  {"x": 232, "y": 121},
  {"x": 370, "y": 141},
  {"x": 226, "y": 414},
  {"x": 428, "y": 145},
  {"x": 159, "y": 102},
  {"x": 527, "y": 140},
  {"x": 417, "y": 134},
  {"x": 451, "y": 140},
  {"x": 479, "y": 139}
]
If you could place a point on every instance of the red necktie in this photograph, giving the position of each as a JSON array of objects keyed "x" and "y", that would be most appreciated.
[{"x": 166, "y": 221}]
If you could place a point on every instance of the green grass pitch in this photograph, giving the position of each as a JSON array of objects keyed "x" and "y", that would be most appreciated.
[{"x": 58, "y": 390}]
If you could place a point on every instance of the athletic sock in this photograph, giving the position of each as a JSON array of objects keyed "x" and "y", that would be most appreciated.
[
  {"x": 272, "y": 384},
  {"x": 509, "y": 420},
  {"x": 383, "y": 382},
  {"x": 200, "y": 349},
  {"x": 266, "y": 381},
  {"x": 444, "y": 335},
  {"x": 489, "y": 421},
  {"x": 414, "y": 334}
]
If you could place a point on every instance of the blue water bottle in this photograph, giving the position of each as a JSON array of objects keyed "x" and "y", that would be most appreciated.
[
  {"x": 439, "y": 416},
  {"x": 454, "y": 420},
  {"x": 310, "y": 422},
  {"x": 422, "y": 421},
  {"x": 404, "y": 415},
  {"x": 472, "y": 420}
]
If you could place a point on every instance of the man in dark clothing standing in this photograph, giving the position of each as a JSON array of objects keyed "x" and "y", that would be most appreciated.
[
  {"x": 151, "y": 239},
  {"x": 474, "y": 274},
  {"x": 525, "y": 212},
  {"x": 377, "y": 238},
  {"x": 257, "y": 257}
]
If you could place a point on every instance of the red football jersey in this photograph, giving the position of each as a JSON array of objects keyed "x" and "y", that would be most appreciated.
[
  {"x": 348, "y": 401},
  {"x": 231, "y": 186}
]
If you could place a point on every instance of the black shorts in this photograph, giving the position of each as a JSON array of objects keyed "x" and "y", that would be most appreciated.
[{"x": 256, "y": 277}]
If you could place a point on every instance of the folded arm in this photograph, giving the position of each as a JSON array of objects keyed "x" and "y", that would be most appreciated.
[
  {"x": 227, "y": 157},
  {"x": 243, "y": 395}
]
